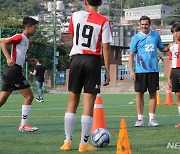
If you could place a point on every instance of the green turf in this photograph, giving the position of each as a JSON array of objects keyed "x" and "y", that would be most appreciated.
[{"x": 48, "y": 117}]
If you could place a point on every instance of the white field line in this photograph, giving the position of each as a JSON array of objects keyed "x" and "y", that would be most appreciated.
[
  {"x": 123, "y": 116},
  {"x": 45, "y": 109}
]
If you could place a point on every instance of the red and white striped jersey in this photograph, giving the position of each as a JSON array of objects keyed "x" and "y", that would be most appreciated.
[
  {"x": 20, "y": 46},
  {"x": 89, "y": 30},
  {"x": 174, "y": 55}
]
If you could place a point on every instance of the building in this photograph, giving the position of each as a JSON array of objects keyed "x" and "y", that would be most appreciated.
[
  {"x": 121, "y": 41},
  {"x": 120, "y": 44},
  {"x": 155, "y": 12}
]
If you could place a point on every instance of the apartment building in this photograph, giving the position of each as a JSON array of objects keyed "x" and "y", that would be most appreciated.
[{"x": 155, "y": 12}]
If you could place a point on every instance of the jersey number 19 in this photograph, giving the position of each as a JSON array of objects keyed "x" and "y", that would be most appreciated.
[{"x": 86, "y": 33}]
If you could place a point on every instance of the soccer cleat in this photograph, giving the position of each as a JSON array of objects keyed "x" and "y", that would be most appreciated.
[
  {"x": 153, "y": 123},
  {"x": 66, "y": 146},
  {"x": 27, "y": 128},
  {"x": 139, "y": 123},
  {"x": 39, "y": 100},
  {"x": 177, "y": 125},
  {"x": 86, "y": 148}
]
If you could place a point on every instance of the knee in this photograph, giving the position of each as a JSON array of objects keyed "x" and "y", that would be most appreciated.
[
  {"x": 2, "y": 101},
  {"x": 29, "y": 98}
]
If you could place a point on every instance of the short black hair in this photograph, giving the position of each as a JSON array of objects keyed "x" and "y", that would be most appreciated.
[
  {"x": 29, "y": 21},
  {"x": 145, "y": 18},
  {"x": 175, "y": 28},
  {"x": 94, "y": 2},
  {"x": 39, "y": 60}
]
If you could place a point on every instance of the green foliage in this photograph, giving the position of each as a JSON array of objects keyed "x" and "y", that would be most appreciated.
[
  {"x": 14, "y": 8},
  {"x": 42, "y": 50},
  {"x": 63, "y": 59},
  {"x": 175, "y": 17},
  {"x": 12, "y": 12}
]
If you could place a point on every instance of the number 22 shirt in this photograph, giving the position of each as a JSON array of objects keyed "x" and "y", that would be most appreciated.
[
  {"x": 145, "y": 49},
  {"x": 89, "y": 30}
]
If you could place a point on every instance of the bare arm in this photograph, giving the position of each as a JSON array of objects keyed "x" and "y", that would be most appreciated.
[
  {"x": 46, "y": 75},
  {"x": 33, "y": 73},
  {"x": 131, "y": 65},
  {"x": 166, "y": 48},
  {"x": 169, "y": 73},
  {"x": 10, "y": 61},
  {"x": 106, "y": 51}
]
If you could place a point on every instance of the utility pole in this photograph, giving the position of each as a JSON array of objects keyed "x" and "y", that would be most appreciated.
[
  {"x": 0, "y": 59},
  {"x": 54, "y": 44},
  {"x": 57, "y": 6},
  {"x": 121, "y": 12}
]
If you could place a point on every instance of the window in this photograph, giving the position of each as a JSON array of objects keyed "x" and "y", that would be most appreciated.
[
  {"x": 117, "y": 34},
  {"x": 113, "y": 34},
  {"x": 115, "y": 54}
]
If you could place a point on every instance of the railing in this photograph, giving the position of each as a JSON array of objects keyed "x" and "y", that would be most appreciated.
[
  {"x": 123, "y": 73},
  {"x": 61, "y": 77}
]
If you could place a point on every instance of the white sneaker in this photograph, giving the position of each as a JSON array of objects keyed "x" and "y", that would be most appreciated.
[
  {"x": 27, "y": 128},
  {"x": 177, "y": 125},
  {"x": 153, "y": 123},
  {"x": 139, "y": 123}
]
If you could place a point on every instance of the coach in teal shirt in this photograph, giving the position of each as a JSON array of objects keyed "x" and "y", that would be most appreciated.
[
  {"x": 145, "y": 49},
  {"x": 143, "y": 63}
]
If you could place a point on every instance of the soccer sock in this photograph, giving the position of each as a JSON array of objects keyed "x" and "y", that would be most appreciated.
[
  {"x": 86, "y": 123},
  {"x": 69, "y": 120},
  {"x": 25, "y": 114},
  {"x": 151, "y": 116},
  {"x": 179, "y": 109},
  {"x": 140, "y": 117}
]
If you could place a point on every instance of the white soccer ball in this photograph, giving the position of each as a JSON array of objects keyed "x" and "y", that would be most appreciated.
[{"x": 100, "y": 137}]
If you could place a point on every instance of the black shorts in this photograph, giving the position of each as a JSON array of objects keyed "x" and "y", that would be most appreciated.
[
  {"x": 13, "y": 79},
  {"x": 85, "y": 71},
  {"x": 175, "y": 79},
  {"x": 146, "y": 81}
]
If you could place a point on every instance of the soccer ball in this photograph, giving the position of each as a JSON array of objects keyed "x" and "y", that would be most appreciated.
[{"x": 100, "y": 137}]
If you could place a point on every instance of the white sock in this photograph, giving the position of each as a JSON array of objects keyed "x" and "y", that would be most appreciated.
[
  {"x": 69, "y": 120},
  {"x": 151, "y": 116},
  {"x": 86, "y": 123},
  {"x": 140, "y": 117},
  {"x": 25, "y": 114},
  {"x": 179, "y": 109}
]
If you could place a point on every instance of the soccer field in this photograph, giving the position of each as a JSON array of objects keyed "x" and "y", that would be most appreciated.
[{"x": 49, "y": 118}]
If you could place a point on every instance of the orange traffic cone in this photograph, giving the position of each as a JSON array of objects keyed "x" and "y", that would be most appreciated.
[
  {"x": 123, "y": 145},
  {"x": 168, "y": 100},
  {"x": 158, "y": 98},
  {"x": 98, "y": 114}
]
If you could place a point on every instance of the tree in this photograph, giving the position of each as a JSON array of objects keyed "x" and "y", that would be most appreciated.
[
  {"x": 13, "y": 10},
  {"x": 175, "y": 16},
  {"x": 63, "y": 59},
  {"x": 40, "y": 49}
]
